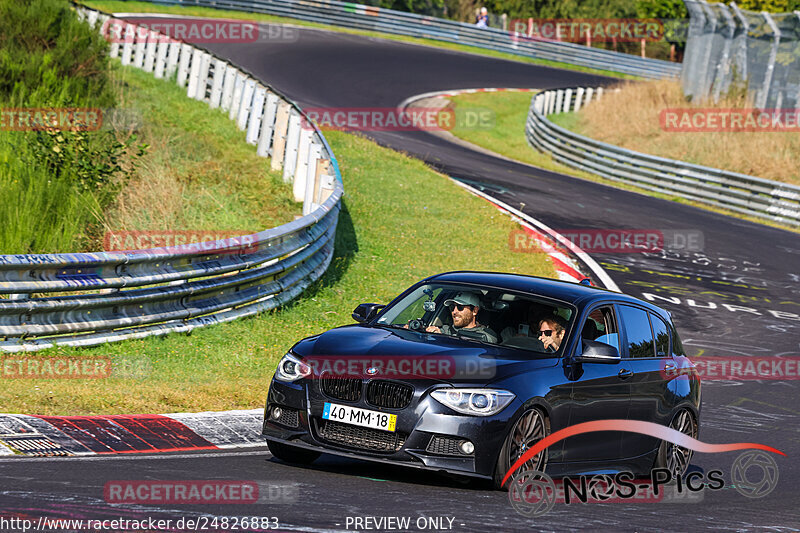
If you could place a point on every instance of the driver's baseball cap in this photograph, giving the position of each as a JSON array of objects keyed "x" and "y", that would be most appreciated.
[{"x": 464, "y": 298}]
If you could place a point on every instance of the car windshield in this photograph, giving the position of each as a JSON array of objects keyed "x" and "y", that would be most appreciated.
[{"x": 504, "y": 318}]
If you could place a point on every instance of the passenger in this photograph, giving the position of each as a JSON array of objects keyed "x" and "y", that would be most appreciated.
[
  {"x": 464, "y": 310},
  {"x": 551, "y": 332},
  {"x": 533, "y": 314}
]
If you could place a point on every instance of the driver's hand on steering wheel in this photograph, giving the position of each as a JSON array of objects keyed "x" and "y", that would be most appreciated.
[{"x": 433, "y": 329}]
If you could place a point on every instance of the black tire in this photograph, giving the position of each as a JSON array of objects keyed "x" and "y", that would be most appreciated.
[
  {"x": 671, "y": 456},
  {"x": 292, "y": 454},
  {"x": 531, "y": 427}
]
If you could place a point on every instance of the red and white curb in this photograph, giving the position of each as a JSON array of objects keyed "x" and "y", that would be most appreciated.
[
  {"x": 567, "y": 268},
  {"x": 119, "y": 434}
]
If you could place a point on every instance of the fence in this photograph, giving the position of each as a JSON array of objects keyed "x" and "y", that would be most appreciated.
[
  {"x": 737, "y": 192},
  {"x": 729, "y": 48},
  {"x": 348, "y": 15},
  {"x": 109, "y": 296}
]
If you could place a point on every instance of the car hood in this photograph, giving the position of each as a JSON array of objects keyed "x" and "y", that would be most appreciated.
[{"x": 403, "y": 354}]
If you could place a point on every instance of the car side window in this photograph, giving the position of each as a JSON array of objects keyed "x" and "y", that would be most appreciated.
[
  {"x": 637, "y": 329},
  {"x": 677, "y": 346},
  {"x": 661, "y": 335},
  {"x": 601, "y": 326}
]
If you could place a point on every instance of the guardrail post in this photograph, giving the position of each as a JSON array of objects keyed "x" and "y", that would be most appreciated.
[
  {"x": 246, "y": 103},
  {"x": 578, "y": 97},
  {"x": 600, "y": 92},
  {"x": 127, "y": 45},
  {"x": 567, "y": 100},
  {"x": 194, "y": 73},
  {"x": 202, "y": 78},
  {"x": 161, "y": 57},
  {"x": 279, "y": 137},
  {"x": 559, "y": 100},
  {"x": 589, "y": 94},
  {"x": 325, "y": 182},
  {"x": 91, "y": 18},
  {"x": 236, "y": 100},
  {"x": 114, "y": 32},
  {"x": 292, "y": 145},
  {"x": 256, "y": 112},
  {"x": 150, "y": 51},
  {"x": 141, "y": 42},
  {"x": 267, "y": 124},
  {"x": 551, "y": 102},
  {"x": 220, "y": 67},
  {"x": 183, "y": 64},
  {"x": 538, "y": 102},
  {"x": 227, "y": 88},
  {"x": 301, "y": 172},
  {"x": 173, "y": 56},
  {"x": 314, "y": 155}
]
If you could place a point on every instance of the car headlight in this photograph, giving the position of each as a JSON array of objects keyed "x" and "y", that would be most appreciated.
[
  {"x": 290, "y": 368},
  {"x": 479, "y": 402}
]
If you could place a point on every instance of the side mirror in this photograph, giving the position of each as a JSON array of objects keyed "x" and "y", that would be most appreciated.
[
  {"x": 598, "y": 352},
  {"x": 366, "y": 312}
]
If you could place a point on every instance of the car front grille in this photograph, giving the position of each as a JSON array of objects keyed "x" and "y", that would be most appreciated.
[
  {"x": 359, "y": 437},
  {"x": 347, "y": 389},
  {"x": 389, "y": 394}
]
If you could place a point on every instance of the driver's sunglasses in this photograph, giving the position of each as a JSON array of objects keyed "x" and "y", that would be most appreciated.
[
  {"x": 460, "y": 307},
  {"x": 546, "y": 332}
]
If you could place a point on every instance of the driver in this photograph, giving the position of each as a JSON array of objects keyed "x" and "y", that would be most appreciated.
[{"x": 464, "y": 309}]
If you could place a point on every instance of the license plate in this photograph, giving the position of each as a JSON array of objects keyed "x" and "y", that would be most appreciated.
[{"x": 359, "y": 417}]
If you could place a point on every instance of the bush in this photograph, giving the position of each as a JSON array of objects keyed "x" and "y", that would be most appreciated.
[{"x": 48, "y": 57}]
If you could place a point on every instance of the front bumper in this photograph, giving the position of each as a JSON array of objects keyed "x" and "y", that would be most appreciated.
[{"x": 418, "y": 424}]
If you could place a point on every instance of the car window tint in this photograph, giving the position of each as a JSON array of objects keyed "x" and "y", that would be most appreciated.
[
  {"x": 661, "y": 334},
  {"x": 677, "y": 346},
  {"x": 600, "y": 326},
  {"x": 637, "y": 328}
]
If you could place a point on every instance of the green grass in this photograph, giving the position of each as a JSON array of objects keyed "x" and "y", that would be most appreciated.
[
  {"x": 198, "y": 174},
  {"x": 507, "y": 138},
  {"x": 123, "y": 6},
  {"x": 400, "y": 222}
]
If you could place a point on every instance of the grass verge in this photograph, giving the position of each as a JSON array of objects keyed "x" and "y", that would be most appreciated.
[
  {"x": 123, "y": 6},
  {"x": 198, "y": 175},
  {"x": 400, "y": 222},
  {"x": 507, "y": 138}
]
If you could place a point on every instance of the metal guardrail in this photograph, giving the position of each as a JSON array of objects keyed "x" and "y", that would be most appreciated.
[
  {"x": 83, "y": 299},
  {"x": 370, "y": 18},
  {"x": 738, "y": 192}
]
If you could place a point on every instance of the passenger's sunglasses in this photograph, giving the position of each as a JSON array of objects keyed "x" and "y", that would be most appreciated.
[{"x": 546, "y": 332}]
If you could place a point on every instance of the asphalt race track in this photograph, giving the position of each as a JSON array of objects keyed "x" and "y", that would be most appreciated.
[{"x": 737, "y": 296}]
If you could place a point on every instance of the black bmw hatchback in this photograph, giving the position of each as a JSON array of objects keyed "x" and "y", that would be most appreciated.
[{"x": 465, "y": 371}]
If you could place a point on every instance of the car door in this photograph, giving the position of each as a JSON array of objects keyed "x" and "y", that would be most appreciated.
[
  {"x": 599, "y": 390},
  {"x": 647, "y": 350}
]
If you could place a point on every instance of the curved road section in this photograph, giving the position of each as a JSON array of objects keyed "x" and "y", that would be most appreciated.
[{"x": 732, "y": 289}]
